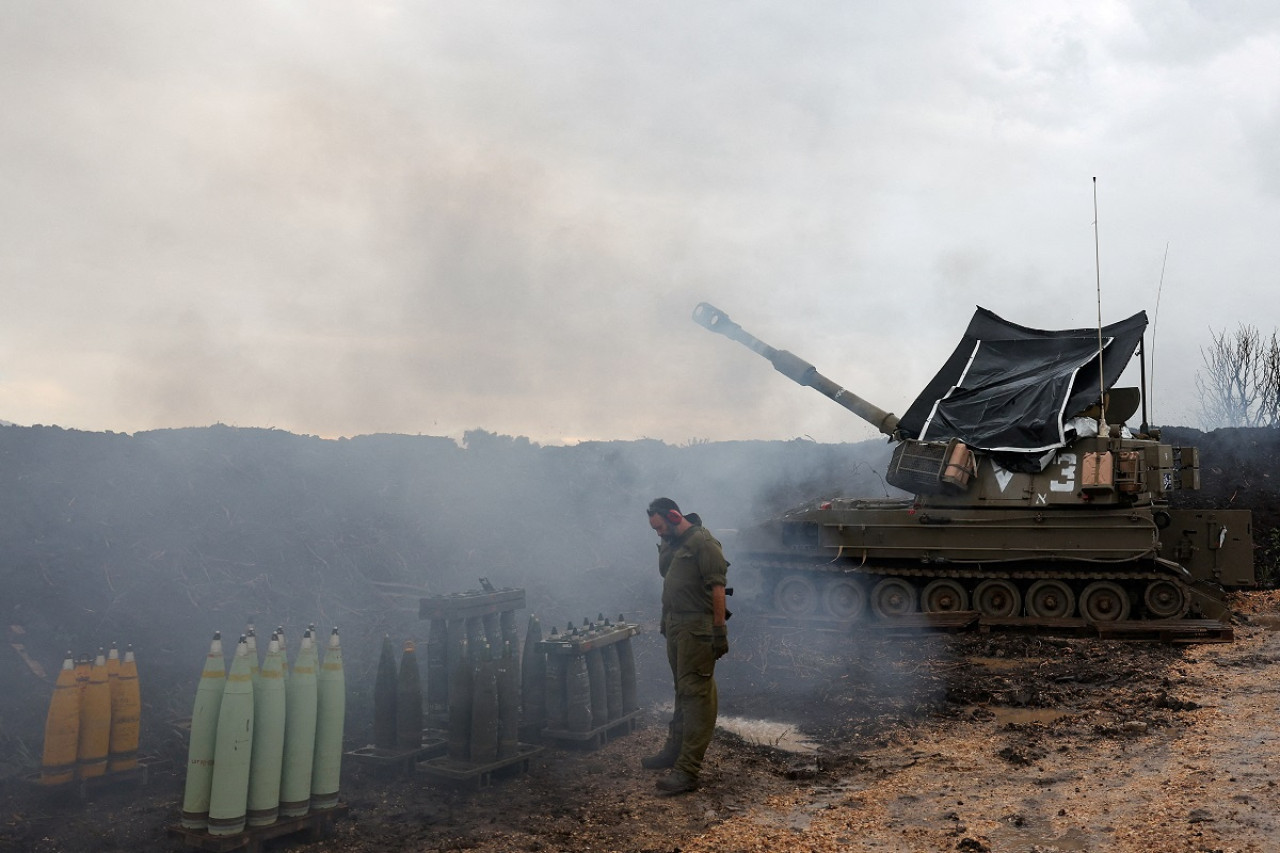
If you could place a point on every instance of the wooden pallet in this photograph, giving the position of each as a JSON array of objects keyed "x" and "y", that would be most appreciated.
[
  {"x": 597, "y": 737},
  {"x": 84, "y": 788},
  {"x": 1178, "y": 631},
  {"x": 401, "y": 762},
  {"x": 445, "y": 769},
  {"x": 1039, "y": 624},
  {"x": 311, "y": 825}
]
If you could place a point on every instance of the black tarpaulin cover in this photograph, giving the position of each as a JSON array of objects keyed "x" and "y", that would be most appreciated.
[{"x": 1010, "y": 389}]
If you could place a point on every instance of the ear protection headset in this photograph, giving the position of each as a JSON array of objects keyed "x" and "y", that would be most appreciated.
[{"x": 671, "y": 516}]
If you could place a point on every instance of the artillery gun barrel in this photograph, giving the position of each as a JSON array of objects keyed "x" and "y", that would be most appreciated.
[{"x": 796, "y": 369}]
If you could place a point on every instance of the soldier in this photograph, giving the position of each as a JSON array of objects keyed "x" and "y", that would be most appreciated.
[{"x": 693, "y": 569}]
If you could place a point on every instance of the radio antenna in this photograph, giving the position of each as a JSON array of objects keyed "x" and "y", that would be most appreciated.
[
  {"x": 1097, "y": 266},
  {"x": 1155, "y": 326}
]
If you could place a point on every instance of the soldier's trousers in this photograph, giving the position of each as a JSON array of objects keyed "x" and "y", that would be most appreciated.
[{"x": 693, "y": 671}]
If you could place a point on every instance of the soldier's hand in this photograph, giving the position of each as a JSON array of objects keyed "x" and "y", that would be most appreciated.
[{"x": 720, "y": 640}]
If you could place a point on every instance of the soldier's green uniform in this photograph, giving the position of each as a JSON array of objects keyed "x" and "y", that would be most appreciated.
[{"x": 691, "y": 565}]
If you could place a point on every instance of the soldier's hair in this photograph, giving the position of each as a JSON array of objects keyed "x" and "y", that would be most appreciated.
[{"x": 661, "y": 506}]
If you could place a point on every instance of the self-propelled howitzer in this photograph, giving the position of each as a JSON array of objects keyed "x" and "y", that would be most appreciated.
[{"x": 1033, "y": 503}]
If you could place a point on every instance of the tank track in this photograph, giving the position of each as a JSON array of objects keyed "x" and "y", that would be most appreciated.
[{"x": 824, "y": 592}]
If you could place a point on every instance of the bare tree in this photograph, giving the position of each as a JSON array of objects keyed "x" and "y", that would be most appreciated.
[
  {"x": 1240, "y": 383},
  {"x": 1269, "y": 399}
]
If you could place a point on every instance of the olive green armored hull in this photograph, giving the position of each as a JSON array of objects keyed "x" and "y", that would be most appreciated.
[{"x": 858, "y": 560}]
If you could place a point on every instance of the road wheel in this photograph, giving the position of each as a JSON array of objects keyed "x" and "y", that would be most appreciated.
[
  {"x": 1166, "y": 599},
  {"x": 944, "y": 596},
  {"x": 795, "y": 595},
  {"x": 1050, "y": 599},
  {"x": 997, "y": 598},
  {"x": 893, "y": 597},
  {"x": 1104, "y": 601},
  {"x": 845, "y": 598}
]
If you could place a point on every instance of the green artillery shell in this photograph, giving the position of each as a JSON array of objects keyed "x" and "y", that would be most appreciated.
[
  {"x": 460, "y": 681},
  {"x": 456, "y": 641},
  {"x": 204, "y": 733},
  {"x": 229, "y": 790},
  {"x": 612, "y": 681},
  {"x": 384, "y": 698},
  {"x": 299, "y": 733},
  {"x": 508, "y": 703},
  {"x": 267, "y": 758},
  {"x": 596, "y": 681},
  {"x": 512, "y": 636},
  {"x": 533, "y": 678},
  {"x": 409, "y": 700},
  {"x": 438, "y": 669},
  {"x": 556, "y": 693},
  {"x": 331, "y": 716},
  {"x": 484, "y": 711},
  {"x": 578, "y": 694}
]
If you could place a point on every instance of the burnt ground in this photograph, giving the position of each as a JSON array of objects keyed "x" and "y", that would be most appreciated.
[{"x": 963, "y": 742}]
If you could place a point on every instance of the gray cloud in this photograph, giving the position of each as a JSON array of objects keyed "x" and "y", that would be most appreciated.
[{"x": 343, "y": 219}]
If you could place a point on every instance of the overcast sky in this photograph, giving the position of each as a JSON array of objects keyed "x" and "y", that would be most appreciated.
[{"x": 347, "y": 218}]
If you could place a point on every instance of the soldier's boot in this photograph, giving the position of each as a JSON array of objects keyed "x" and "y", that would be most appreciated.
[
  {"x": 677, "y": 782},
  {"x": 663, "y": 758}
]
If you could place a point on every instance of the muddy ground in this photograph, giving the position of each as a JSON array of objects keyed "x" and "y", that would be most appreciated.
[{"x": 965, "y": 742}]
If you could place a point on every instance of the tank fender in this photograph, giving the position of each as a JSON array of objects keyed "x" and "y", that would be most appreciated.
[{"x": 1176, "y": 569}]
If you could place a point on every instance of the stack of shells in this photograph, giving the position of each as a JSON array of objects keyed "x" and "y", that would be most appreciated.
[
  {"x": 93, "y": 722},
  {"x": 484, "y": 704},
  {"x": 397, "y": 701},
  {"x": 587, "y": 683},
  {"x": 266, "y": 742},
  {"x": 485, "y": 691}
]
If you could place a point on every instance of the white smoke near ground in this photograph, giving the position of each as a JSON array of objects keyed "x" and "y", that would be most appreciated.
[{"x": 158, "y": 539}]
